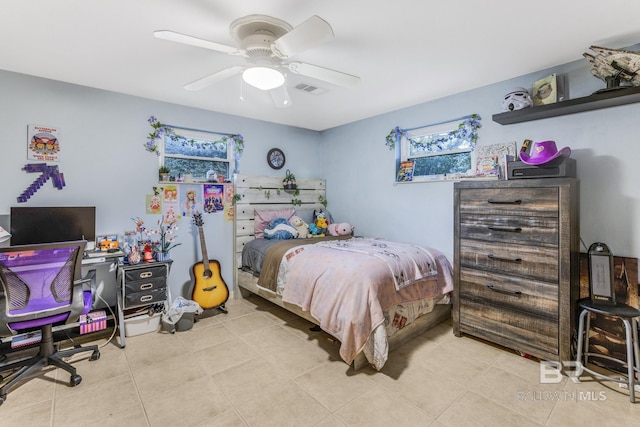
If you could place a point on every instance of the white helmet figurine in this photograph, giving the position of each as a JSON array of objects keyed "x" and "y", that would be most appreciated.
[{"x": 517, "y": 99}]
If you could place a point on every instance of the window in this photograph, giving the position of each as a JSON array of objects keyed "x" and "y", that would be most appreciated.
[
  {"x": 440, "y": 150},
  {"x": 197, "y": 153}
]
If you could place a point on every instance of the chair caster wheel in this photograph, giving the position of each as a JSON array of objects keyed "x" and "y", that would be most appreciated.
[
  {"x": 75, "y": 380},
  {"x": 2, "y": 399},
  {"x": 95, "y": 355}
]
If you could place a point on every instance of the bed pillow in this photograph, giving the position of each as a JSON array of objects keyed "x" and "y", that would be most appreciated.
[
  {"x": 262, "y": 218},
  {"x": 280, "y": 229}
]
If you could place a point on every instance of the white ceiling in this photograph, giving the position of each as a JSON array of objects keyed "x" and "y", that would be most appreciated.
[{"x": 405, "y": 51}]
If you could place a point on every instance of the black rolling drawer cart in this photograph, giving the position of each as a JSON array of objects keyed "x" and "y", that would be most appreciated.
[{"x": 142, "y": 287}]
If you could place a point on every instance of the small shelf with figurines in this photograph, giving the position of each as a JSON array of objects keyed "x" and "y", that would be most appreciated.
[{"x": 596, "y": 101}]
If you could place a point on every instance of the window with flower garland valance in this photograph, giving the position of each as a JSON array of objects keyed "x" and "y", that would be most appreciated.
[
  {"x": 194, "y": 151},
  {"x": 436, "y": 151}
]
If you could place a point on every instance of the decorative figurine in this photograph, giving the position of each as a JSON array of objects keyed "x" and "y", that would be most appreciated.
[
  {"x": 517, "y": 99},
  {"x": 615, "y": 66},
  {"x": 134, "y": 256}
]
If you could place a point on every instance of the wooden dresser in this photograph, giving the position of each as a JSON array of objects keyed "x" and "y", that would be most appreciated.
[{"x": 516, "y": 263}]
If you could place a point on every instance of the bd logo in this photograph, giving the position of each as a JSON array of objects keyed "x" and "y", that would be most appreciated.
[{"x": 551, "y": 372}]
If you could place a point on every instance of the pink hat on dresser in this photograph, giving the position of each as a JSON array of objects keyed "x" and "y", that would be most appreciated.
[{"x": 544, "y": 152}]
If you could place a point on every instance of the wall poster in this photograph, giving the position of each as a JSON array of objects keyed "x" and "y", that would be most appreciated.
[{"x": 43, "y": 143}]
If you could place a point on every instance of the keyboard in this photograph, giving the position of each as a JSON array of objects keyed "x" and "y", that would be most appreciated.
[{"x": 98, "y": 254}]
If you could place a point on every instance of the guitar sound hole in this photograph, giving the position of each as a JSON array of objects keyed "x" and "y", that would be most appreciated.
[{"x": 207, "y": 274}]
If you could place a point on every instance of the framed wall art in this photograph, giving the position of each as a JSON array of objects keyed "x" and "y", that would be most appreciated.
[{"x": 546, "y": 90}]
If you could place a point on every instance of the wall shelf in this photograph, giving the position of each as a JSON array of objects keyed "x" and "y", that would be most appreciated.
[{"x": 596, "y": 101}]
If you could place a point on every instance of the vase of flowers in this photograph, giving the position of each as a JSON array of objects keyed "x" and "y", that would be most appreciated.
[
  {"x": 134, "y": 256},
  {"x": 157, "y": 242},
  {"x": 166, "y": 239},
  {"x": 163, "y": 256}
]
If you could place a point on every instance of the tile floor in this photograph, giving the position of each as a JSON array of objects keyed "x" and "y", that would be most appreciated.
[{"x": 261, "y": 366}]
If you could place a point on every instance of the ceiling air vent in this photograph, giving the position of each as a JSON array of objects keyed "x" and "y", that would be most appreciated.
[{"x": 310, "y": 89}]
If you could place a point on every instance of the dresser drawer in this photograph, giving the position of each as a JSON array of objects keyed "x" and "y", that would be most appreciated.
[
  {"x": 510, "y": 201},
  {"x": 511, "y": 328},
  {"x": 534, "y": 262},
  {"x": 146, "y": 297},
  {"x": 510, "y": 292},
  {"x": 145, "y": 285},
  {"x": 510, "y": 229},
  {"x": 150, "y": 272}
]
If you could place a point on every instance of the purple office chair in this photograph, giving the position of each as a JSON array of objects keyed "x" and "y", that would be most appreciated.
[{"x": 40, "y": 286}]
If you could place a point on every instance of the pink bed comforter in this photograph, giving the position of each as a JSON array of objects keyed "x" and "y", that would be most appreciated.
[{"x": 348, "y": 292}]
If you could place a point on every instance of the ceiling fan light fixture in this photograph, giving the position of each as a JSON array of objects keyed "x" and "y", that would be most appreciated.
[{"x": 263, "y": 78}]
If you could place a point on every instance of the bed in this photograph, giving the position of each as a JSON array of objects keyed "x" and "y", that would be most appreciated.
[{"x": 376, "y": 307}]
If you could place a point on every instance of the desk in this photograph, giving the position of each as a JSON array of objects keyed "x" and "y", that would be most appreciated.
[
  {"x": 141, "y": 287},
  {"x": 106, "y": 289}
]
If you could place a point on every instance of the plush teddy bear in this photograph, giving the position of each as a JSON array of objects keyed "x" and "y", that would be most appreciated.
[
  {"x": 340, "y": 229},
  {"x": 301, "y": 226}
]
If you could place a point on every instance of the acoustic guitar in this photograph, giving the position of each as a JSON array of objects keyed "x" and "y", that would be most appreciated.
[{"x": 209, "y": 288}]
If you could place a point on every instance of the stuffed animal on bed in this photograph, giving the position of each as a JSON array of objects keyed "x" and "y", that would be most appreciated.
[
  {"x": 322, "y": 224},
  {"x": 280, "y": 229},
  {"x": 301, "y": 226},
  {"x": 340, "y": 229},
  {"x": 319, "y": 213},
  {"x": 314, "y": 231}
]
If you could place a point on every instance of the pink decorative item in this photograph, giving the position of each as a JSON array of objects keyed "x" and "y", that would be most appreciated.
[{"x": 544, "y": 152}]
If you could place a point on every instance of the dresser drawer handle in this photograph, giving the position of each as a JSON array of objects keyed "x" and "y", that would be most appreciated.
[
  {"x": 499, "y": 258},
  {"x": 146, "y": 298},
  {"x": 504, "y": 202},
  {"x": 504, "y": 291},
  {"x": 146, "y": 286},
  {"x": 146, "y": 274},
  {"x": 509, "y": 229}
]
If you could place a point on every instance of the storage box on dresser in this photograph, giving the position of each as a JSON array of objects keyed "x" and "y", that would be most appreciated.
[
  {"x": 141, "y": 286},
  {"x": 516, "y": 262}
]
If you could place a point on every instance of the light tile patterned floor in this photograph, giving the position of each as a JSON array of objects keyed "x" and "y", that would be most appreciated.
[{"x": 262, "y": 366}]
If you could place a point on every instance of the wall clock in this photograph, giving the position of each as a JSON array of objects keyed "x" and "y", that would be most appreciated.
[{"x": 275, "y": 158}]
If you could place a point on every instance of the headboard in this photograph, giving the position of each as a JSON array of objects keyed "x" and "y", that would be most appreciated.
[{"x": 266, "y": 192}]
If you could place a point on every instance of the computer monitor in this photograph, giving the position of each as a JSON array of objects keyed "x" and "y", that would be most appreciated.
[{"x": 32, "y": 225}]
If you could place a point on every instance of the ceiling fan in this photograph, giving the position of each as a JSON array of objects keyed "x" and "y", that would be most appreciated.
[{"x": 267, "y": 43}]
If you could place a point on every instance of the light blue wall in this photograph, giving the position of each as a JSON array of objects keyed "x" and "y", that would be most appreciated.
[
  {"x": 605, "y": 143},
  {"x": 105, "y": 165}
]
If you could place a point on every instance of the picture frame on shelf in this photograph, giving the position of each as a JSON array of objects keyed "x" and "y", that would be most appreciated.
[
  {"x": 545, "y": 90},
  {"x": 491, "y": 160},
  {"x": 405, "y": 172},
  {"x": 104, "y": 242}
]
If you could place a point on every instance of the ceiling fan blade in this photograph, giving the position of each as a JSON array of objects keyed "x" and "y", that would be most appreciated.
[
  {"x": 310, "y": 33},
  {"x": 325, "y": 74},
  {"x": 214, "y": 78},
  {"x": 195, "y": 41}
]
